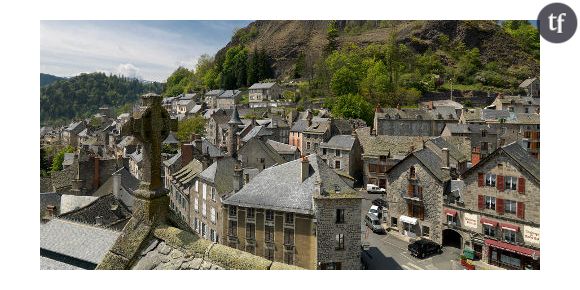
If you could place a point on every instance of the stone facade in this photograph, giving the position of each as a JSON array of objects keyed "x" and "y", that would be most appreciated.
[
  {"x": 338, "y": 241},
  {"x": 262, "y": 92},
  {"x": 419, "y": 197},
  {"x": 341, "y": 160}
]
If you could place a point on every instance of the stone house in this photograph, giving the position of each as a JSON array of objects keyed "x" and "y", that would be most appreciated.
[
  {"x": 288, "y": 152},
  {"x": 260, "y": 92},
  {"x": 210, "y": 187},
  {"x": 322, "y": 131},
  {"x": 210, "y": 98},
  {"x": 70, "y": 133},
  {"x": 309, "y": 217},
  {"x": 228, "y": 99},
  {"x": 217, "y": 126},
  {"x": 258, "y": 154},
  {"x": 380, "y": 153},
  {"x": 458, "y": 149},
  {"x": 415, "y": 195},
  {"x": 184, "y": 106},
  {"x": 497, "y": 214},
  {"x": 532, "y": 87},
  {"x": 413, "y": 122},
  {"x": 343, "y": 154},
  {"x": 516, "y": 104},
  {"x": 180, "y": 189}
]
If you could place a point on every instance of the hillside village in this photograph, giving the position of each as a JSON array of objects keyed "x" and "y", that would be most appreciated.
[{"x": 268, "y": 184}]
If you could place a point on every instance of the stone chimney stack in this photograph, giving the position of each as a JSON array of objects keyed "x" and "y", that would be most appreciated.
[
  {"x": 50, "y": 211},
  {"x": 99, "y": 220},
  {"x": 305, "y": 168},
  {"x": 96, "y": 172},
  {"x": 238, "y": 180},
  {"x": 196, "y": 140},
  {"x": 446, "y": 156},
  {"x": 116, "y": 185}
]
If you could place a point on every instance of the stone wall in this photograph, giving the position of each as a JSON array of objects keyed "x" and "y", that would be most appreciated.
[
  {"x": 405, "y": 127},
  {"x": 327, "y": 229},
  {"x": 432, "y": 198}
]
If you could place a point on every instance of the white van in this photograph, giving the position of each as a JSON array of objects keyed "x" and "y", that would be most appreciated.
[{"x": 371, "y": 188}]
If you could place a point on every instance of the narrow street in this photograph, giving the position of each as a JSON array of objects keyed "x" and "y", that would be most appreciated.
[{"x": 387, "y": 252}]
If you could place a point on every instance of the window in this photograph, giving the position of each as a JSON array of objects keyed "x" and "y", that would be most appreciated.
[
  {"x": 196, "y": 186},
  {"x": 340, "y": 242},
  {"x": 251, "y": 213},
  {"x": 451, "y": 219},
  {"x": 288, "y": 237},
  {"x": 212, "y": 235},
  {"x": 289, "y": 218},
  {"x": 250, "y": 231},
  {"x": 233, "y": 228},
  {"x": 203, "y": 212},
  {"x": 484, "y": 133},
  {"x": 337, "y": 164},
  {"x": 511, "y": 259},
  {"x": 412, "y": 172},
  {"x": 372, "y": 169},
  {"x": 509, "y": 236},
  {"x": 269, "y": 233},
  {"x": 196, "y": 225},
  {"x": 490, "y": 202},
  {"x": 489, "y": 230},
  {"x": 323, "y": 151},
  {"x": 307, "y": 145},
  {"x": 510, "y": 206},
  {"x": 204, "y": 191},
  {"x": 490, "y": 179},
  {"x": 213, "y": 193},
  {"x": 289, "y": 257},
  {"x": 269, "y": 215},
  {"x": 233, "y": 211},
  {"x": 337, "y": 152},
  {"x": 339, "y": 216},
  {"x": 510, "y": 182},
  {"x": 195, "y": 204},
  {"x": 269, "y": 253},
  {"x": 203, "y": 230},
  {"x": 393, "y": 222},
  {"x": 212, "y": 218},
  {"x": 425, "y": 231}
]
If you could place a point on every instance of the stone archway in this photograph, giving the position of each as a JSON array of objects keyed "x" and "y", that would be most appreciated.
[{"x": 451, "y": 238}]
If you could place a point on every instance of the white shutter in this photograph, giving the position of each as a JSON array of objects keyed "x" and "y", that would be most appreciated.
[{"x": 204, "y": 191}]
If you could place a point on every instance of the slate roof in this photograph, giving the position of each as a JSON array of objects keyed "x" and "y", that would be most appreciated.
[
  {"x": 69, "y": 203},
  {"x": 188, "y": 172},
  {"x": 136, "y": 156},
  {"x": 235, "y": 118},
  {"x": 261, "y": 86},
  {"x": 461, "y": 144},
  {"x": 170, "y": 139},
  {"x": 342, "y": 126},
  {"x": 444, "y": 103},
  {"x": 128, "y": 140},
  {"x": 221, "y": 174},
  {"x": 183, "y": 102},
  {"x": 439, "y": 113},
  {"x": 299, "y": 126},
  {"x": 50, "y": 264},
  {"x": 208, "y": 148},
  {"x": 214, "y": 93},
  {"x": 489, "y": 114},
  {"x": 128, "y": 182},
  {"x": 387, "y": 145},
  {"x": 49, "y": 198},
  {"x": 289, "y": 193},
  {"x": 282, "y": 148},
  {"x": 257, "y": 131},
  {"x": 526, "y": 118},
  {"x": 113, "y": 213},
  {"x": 471, "y": 115},
  {"x": 454, "y": 152},
  {"x": 69, "y": 158},
  {"x": 75, "y": 126},
  {"x": 344, "y": 142},
  {"x": 229, "y": 94},
  {"x": 80, "y": 241},
  {"x": 430, "y": 161},
  {"x": 172, "y": 160},
  {"x": 457, "y": 128},
  {"x": 196, "y": 109}
]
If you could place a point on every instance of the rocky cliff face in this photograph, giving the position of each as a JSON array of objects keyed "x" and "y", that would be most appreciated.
[{"x": 285, "y": 41}]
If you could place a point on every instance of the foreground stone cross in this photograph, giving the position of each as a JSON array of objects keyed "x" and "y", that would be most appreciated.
[{"x": 151, "y": 127}]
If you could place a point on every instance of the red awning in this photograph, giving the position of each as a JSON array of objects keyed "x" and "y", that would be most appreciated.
[
  {"x": 510, "y": 227},
  {"x": 450, "y": 212},
  {"x": 488, "y": 222},
  {"x": 513, "y": 248}
]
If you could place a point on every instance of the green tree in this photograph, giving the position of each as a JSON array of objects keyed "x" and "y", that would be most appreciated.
[
  {"x": 332, "y": 36},
  {"x": 179, "y": 82},
  {"x": 59, "y": 158},
  {"x": 353, "y": 106},
  {"x": 344, "y": 81},
  {"x": 525, "y": 33},
  {"x": 189, "y": 126}
]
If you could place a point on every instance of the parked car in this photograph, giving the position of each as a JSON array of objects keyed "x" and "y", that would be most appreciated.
[
  {"x": 376, "y": 211},
  {"x": 373, "y": 222},
  {"x": 423, "y": 248},
  {"x": 371, "y": 188}
]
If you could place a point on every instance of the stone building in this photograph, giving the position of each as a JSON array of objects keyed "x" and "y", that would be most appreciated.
[
  {"x": 210, "y": 98},
  {"x": 497, "y": 214},
  {"x": 228, "y": 99},
  {"x": 180, "y": 189},
  {"x": 210, "y": 187},
  {"x": 532, "y": 87},
  {"x": 308, "y": 217},
  {"x": 380, "y": 153},
  {"x": 458, "y": 148},
  {"x": 258, "y": 154},
  {"x": 413, "y": 122},
  {"x": 343, "y": 154},
  {"x": 70, "y": 133},
  {"x": 516, "y": 104},
  {"x": 260, "y": 92},
  {"x": 288, "y": 152},
  {"x": 415, "y": 194},
  {"x": 322, "y": 131},
  {"x": 217, "y": 126}
]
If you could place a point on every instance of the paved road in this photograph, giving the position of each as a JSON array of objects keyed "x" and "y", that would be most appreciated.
[{"x": 387, "y": 252}]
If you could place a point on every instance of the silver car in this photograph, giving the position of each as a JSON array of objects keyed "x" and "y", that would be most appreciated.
[{"x": 373, "y": 222}]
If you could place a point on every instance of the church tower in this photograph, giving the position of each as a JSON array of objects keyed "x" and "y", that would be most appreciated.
[{"x": 233, "y": 129}]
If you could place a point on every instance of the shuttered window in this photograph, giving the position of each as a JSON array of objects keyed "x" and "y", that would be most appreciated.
[
  {"x": 480, "y": 202},
  {"x": 500, "y": 183},
  {"x": 521, "y": 185},
  {"x": 500, "y": 206},
  {"x": 480, "y": 180},
  {"x": 521, "y": 210}
]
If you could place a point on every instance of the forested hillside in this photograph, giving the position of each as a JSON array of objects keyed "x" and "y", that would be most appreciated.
[{"x": 81, "y": 96}]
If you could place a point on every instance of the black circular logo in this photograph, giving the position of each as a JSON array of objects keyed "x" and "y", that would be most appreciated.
[{"x": 557, "y": 22}]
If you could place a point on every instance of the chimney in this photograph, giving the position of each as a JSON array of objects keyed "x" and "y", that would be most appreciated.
[
  {"x": 446, "y": 156},
  {"x": 430, "y": 105},
  {"x": 50, "y": 211},
  {"x": 305, "y": 168},
  {"x": 398, "y": 106},
  {"x": 96, "y": 173},
  {"x": 186, "y": 154},
  {"x": 378, "y": 109},
  {"x": 98, "y": 220},
  {"x": 116, "y": 185},
  {"x": 238, "y": 181}
]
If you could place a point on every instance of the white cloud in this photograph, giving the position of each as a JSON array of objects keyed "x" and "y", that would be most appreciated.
[{"x": 129, "y": 70}]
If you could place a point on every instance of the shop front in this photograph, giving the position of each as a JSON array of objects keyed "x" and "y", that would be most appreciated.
[
  {"x": 409, "y": 226},
  {"x": 510, "y": 256}
]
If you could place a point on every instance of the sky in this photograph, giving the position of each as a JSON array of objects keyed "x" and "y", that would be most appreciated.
[{"x": 148, "y": 50}]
